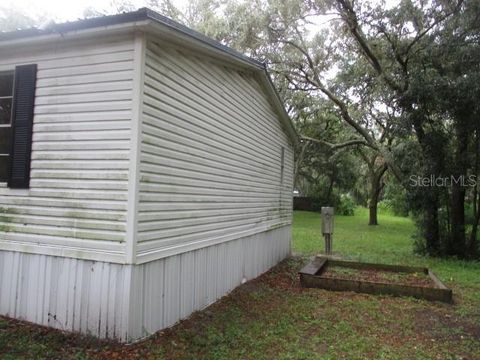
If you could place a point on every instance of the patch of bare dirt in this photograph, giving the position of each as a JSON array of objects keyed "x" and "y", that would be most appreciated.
[
  {"x": 438, "y": 325},
  {"x": 412, "y": 279}
]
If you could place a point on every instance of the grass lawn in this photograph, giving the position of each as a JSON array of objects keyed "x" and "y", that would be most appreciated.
[{"x": 272, "y": 317}]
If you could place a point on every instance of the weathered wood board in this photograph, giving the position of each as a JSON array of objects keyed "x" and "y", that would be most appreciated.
[{"x": 311, "y": 277}]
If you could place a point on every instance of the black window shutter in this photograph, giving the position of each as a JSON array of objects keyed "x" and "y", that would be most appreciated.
[{"x": 22, "y": 123}]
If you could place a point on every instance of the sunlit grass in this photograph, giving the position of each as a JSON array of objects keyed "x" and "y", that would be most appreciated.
[{"x": 389, "y": 242}]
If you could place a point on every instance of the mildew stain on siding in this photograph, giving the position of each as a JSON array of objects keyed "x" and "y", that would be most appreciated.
[
  {"x": 211, "y": 155},
  {"x": 80, "y": 150},
  {"x": 5, "y": 219}
]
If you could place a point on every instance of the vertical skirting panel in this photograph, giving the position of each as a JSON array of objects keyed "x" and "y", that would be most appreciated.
[
  {"x": 127, "y": 302},
  {"x": 67, "y": 294},
  {"x": 182, "y": 284}
]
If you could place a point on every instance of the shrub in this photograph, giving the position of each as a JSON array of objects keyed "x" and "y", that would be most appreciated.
[
  {"x": 346, "y": 205},
  {"x": 320, "y": 197},
  {"x": 395, "y": 199}
]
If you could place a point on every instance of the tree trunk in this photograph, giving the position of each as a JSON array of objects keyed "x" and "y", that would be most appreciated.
[
  {"x": 375, "y": 190},
  {"x": 472, "y": 245},
  {"x": 298, "y": 162},
  {"x": 373, "y": 203},
  {"x": 457, "y": 220},
  {"x": 330, "y": 190},
  {"x": 373, "y": 212},
  {"x": 431, "y": 226},
  {"x": 457, "y": 243}
]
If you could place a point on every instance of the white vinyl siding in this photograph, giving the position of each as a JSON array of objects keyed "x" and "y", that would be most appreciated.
[
  {"x": 210, "y": 156},
  {"x": 160, "y": 180},
  {"x": 77, "y": 199}
]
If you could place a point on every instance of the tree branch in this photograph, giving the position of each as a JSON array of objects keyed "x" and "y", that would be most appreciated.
[
  {"x": 337, "y": 101},
  {"x": 432, "y": 25},
  {"x": 336, "y": 146},
  {"x": 349, "y": 16}
]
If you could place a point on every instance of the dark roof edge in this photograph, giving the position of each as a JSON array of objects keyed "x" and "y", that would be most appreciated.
[{"x": 139, "y": 15}]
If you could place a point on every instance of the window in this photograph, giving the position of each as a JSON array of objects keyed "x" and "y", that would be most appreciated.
[
  {"x": 6, "y": 97},
  {"x": 17, "y": 100}
]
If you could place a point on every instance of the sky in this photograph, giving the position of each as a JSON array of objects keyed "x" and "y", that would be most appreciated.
[
  {"x": 59, "y": 9},
  {"x": 65, "y": 10},
  {"x": 70, "y": 10}
]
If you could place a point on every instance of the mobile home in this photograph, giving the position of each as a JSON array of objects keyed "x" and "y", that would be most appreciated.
[{"x": 145, "y": 171}]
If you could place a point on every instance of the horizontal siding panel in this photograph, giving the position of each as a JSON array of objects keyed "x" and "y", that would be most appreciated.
[
  {"x": 68, "y": 213},
  {"x": 80, "y": 151},
  {"x": 200, "y": 89},
  {"x": 82, "y": 145},
  {"x": 48, "y": 220},
  {"x": 204, "y": 119},
  {"x": 229, "y": 231},
  {"x": 251, "y": 216},
  {"x": 176, "y": 189},
  {"x": 114, "y": 65},
  {"x": 171, "y": 166},
  {"x": 75, "y": 184},
  {"x": 170, "y": 215},
  {"x": 82, "y": 126},
  {"x": 92, "y": 96},
  {"x": 85, "y": 79},
  {"x": 9, "y": 202},
  {"x": 192, "y": 197},
  {"x": 222, "y": 98},
  {"x": 190, "y": 204},
  {"x": 203, "y": 179},
  {"x": 77, "y": 247},
  {"x": 56, "y": 231},
  {"x": 160, "y": 181},
  {"x": 210, "y": 156},
  {"x": 110, "y": 53},
  {"x": 206, "y": 146},
  {"x": 174, "y": 103},
  {"x": 85, "y": 88},
  {"x": 81, "y": 155},
  {"x": 88, "y": 194},
  {"x": 176, "y": 159},
  {"x": 93, "y": 134},
  {"x": 74, "y": 52},
  {"x": 88, "y": 164},
  {"x": 85, "y": 117},
  {"x": 74, "y": 174},
  {"x": 99, "y": 105}
]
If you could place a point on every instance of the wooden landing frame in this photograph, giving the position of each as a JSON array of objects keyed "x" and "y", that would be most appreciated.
[{"x": 311, "y": 277}]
